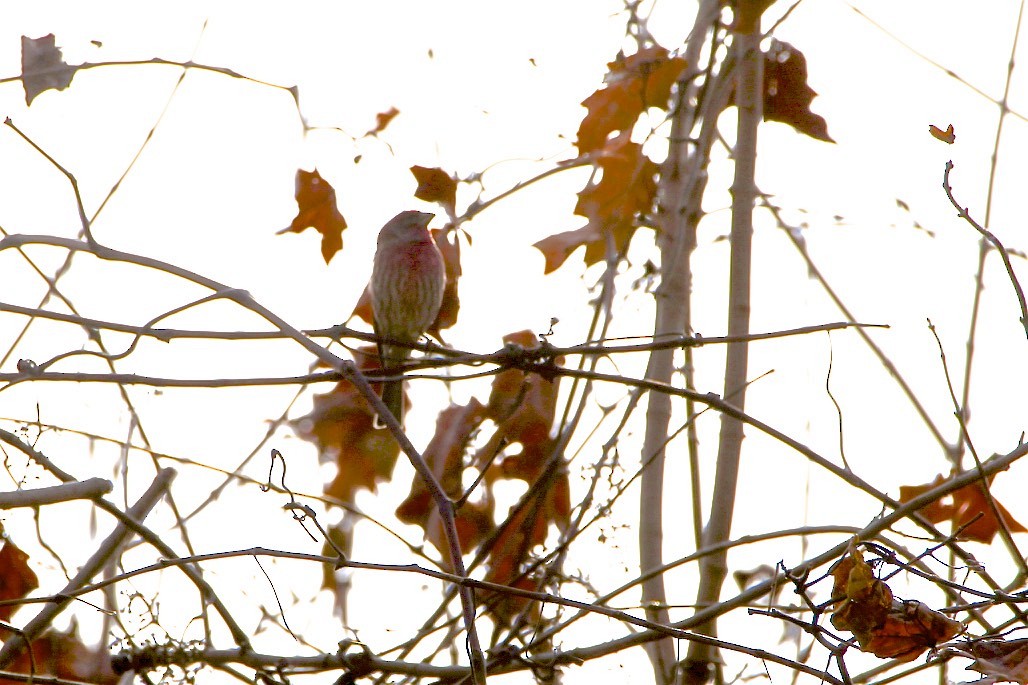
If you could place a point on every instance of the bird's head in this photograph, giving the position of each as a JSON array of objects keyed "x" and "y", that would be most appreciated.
[{"x": 407, "y": 226}]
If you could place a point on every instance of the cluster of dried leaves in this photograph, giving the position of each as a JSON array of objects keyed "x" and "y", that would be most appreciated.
[{"x": 883, "y": 625}]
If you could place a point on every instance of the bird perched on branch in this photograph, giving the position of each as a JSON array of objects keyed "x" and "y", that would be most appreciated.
[{"x": 407, "y": 284}]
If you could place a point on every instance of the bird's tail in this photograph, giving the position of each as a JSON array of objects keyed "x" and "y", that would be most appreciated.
[{"x": 392, "y": 396}]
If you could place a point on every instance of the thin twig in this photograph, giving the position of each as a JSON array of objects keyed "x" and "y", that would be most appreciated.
[{"x": 991, "y": 237}]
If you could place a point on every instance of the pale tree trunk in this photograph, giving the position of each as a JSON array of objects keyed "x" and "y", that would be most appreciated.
[
  {"x": 681, "y": 186},
  {"x": 702, "y": 660}
]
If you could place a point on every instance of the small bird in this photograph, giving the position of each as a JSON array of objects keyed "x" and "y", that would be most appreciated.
[{"x": 407, "y": 284}]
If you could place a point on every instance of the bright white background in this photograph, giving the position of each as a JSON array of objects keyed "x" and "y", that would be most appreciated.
[{"x": 483, "y": 87}]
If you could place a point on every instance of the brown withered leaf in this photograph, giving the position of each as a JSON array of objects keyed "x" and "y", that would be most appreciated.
[
  {"x": 445, "y": 456},
  {"x": 341, "y": 425},
  {"x": 382, "y": 119},
  {"x": 998, "y": 660},
  {"x": 884, "y": 626},
  {"x": 865, "y": 600},
  {"x": 43, "y": 66},
  {"x": 435, "y": 185},
  {"x": 948, "y": 136},
  {"x": 626, "y": 189},
  {"x": 633, "y": 84},
  {"x": 17, "y": 580},
  {"x": 450, "y": 308},
  {"x": 547, "y": 502},
  {"x": 523, "y": 406},
  {"x": 910, "y": 628},
  {"x": 525, "y": 529},
  {"x": 787, "y": 96},
  {"x": 318, "y": 210},
  {"x": 64, "y": 655},
  {"x": 962, "y": 507}
]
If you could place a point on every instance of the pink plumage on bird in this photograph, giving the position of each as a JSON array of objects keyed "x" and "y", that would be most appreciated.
[{"x": 407, "y": 284}]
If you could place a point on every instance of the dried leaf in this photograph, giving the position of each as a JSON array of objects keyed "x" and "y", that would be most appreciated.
[
  {"x": 999, "y": 660},
  {"x": 523, "y": 406},
  {"x": 626, "y": 190},
  {"x": 866, "y": 600},
  {"x": 445, "y": 457},
  {"x": 962, "y": 507},
  {"x": 948, "y": 136},
  {"x": 884, "y": 626},
  {"x": 632, "y": 85},
  {"x": 17, "y": 580},
  {"x": 910, "y": 628},
  {"x": 43, "y": 66},
  {"x": 787, "y": 96},
  {"x": 318, "y": 210},
  {"x": 342, "y": 426},
  {"x": 435, "y": 185},
  {"x": 450, "y": 308},
  {"x": 382, "y": 120},
  {"x": 64, "y": 655}
]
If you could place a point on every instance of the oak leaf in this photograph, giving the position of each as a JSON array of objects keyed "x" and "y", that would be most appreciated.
[
  {"x": 317, "y": 209},
  {"x": 341, "y": 425},
  {"x": 435, "y": 185},
  {"x": 626, "y": 190},
  {"x": 449, "y": 247},
  {"x": 963, "y": 508},
  {"x": 787, "y": 96},
  {"x": 909, "y": 629},
  {"x": 862, "y": 601},
  {"x": 445, "y": 456},
  {"x": 632, "y": 85},
  {"x": 16, "y": 578}
]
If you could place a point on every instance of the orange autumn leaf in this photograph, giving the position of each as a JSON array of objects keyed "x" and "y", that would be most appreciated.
[
  {"x": 445, "y": 456},
  {"x": 862, "y": 600},
  {"x": 341, "y": 425},
  {"x": 523, "y": 406},
  {"x": 787, "y": 96},
  {"x": 962, "y": 507},
  {"x": 626, "y": 190},
  {"x": 884, "y": 626},
  {"x": 948, "y": 136},
  {"x": 316, "y": 199},
  {"x": 17, "y": 580},
  {"x": 526, "y": 529},
  {"x": 909, "y": 629},
  {"x": 64, "y": 655},
  {"x": 382, "y": 120},
  {"x": 449, "y": 247},
  {"x": 632, "y": 85},
  {"x": 435, "y": 185}
]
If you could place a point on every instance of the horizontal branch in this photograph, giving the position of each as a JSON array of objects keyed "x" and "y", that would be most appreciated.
[
  {"x": 36, "y": 497},
  {"x": 157, "y": 382},
  {"x": 341, "y": 332},
  {"x": 329, "y": 662}
]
